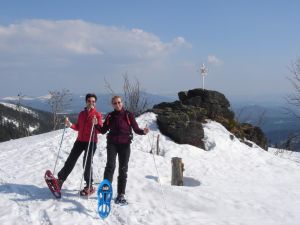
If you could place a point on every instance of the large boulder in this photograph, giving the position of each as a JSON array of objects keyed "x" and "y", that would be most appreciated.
[
  {"x": 214, "y": 102},
  {"x": 181, "y": 123},
  {"x": 182, "y": 120}
]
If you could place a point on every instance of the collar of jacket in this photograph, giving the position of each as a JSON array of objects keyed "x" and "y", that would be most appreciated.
[
  {"x": 91, "y": 110},
  {"x": 119, "y": 112}
]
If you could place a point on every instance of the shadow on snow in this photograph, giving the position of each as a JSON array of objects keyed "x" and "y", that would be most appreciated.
[
  {"x": 187, "y": 181},
  {"x": 31, "y": 192}
]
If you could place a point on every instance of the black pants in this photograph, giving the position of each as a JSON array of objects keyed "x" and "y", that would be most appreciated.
[
  {"x": 76, "y": 151},
  {"x": 123, "y": 152}
]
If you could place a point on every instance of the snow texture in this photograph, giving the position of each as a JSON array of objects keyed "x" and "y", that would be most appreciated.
[{"x": 229, "y": 184}]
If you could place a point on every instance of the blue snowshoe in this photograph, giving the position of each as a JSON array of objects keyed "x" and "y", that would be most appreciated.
[{"x": 104, "y": 194}]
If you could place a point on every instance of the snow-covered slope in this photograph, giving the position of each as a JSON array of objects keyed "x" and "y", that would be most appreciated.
[
  {"x": 19, "y": 108},
  {"x": 230, "y": 184}
]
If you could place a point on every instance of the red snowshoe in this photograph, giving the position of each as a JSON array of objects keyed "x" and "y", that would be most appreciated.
[{"x": 53, "y": 184}]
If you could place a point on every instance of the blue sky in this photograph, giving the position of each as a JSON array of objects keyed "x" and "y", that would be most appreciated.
[{"x": 246, "y": 45}]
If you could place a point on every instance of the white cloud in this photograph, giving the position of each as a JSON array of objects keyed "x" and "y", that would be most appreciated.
[
  {"x": 36, "y": 54},
  {"x": 213, "y": 60},
  {"x": 82, "y": 47},
  {"x": 77, "y": 37}
]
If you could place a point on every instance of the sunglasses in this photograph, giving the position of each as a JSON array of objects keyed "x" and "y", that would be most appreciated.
[{"x": 115, "y": 103}]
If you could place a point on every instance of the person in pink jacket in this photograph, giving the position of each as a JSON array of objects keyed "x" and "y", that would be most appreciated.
[{"x": 86, "y": 119}]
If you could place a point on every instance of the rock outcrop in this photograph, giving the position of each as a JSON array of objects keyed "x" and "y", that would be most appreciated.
[{"x": 182, "y": 120}]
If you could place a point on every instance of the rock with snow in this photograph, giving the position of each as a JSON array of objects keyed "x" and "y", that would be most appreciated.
[
  {"x": 181, "y": 123},
  {"x": 181, "y": 120}
]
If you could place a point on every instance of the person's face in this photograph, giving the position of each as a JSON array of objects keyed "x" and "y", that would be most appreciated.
[
  {"x": 117, "y": 104},
  {"x": 90, "y": 103}
]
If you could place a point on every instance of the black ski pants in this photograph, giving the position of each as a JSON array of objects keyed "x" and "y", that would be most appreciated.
[
  {"x": 76, "y": 151},
  {"x": 123, "y": 152}
]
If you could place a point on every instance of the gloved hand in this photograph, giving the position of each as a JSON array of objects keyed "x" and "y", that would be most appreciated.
[
  {"x": 95, "y": 120},
  {"x": 67, "y": 122}
]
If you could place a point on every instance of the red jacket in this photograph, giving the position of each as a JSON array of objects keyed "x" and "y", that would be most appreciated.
[{"x": 84, "y": 125}]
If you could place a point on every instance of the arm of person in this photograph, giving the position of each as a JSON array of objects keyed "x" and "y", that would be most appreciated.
[
  {"x": 104, "y": 127},
  {"x": 136, "y": 127},
  {"x": 99, "y": 124},
  {"x": 75, "y": 126}
]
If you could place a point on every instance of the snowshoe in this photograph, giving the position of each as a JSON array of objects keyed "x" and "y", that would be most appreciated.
[
  {"x": 104, "y": 194},
  {"x": 53, "y": 184}
]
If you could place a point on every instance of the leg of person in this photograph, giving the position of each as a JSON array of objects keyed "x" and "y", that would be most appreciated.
[
  {"x": 123, "y": 156},
  {"x": 71, "y": 161},
  {"x": 88, "y": 167},
  {"x": 111, "y": 162}
]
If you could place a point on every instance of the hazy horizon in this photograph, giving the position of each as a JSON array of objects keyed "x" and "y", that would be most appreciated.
[{"x": 278, "y": 99}]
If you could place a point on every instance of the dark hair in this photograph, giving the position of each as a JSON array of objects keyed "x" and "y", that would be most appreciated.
[{"x": 90, "y": 95}]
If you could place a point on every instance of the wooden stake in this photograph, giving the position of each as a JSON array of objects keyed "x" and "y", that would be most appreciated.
[{"x": 177, "y": 171}]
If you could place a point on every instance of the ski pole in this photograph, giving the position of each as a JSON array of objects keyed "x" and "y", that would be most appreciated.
[
  {"x": 62, "y": 138},
  {"x": 91, "y": 161},
  {"x": 159, "y": 181},
  {"x": 86, "y": 156}
]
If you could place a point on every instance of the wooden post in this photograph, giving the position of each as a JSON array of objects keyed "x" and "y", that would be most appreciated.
[{"x": 177, "y": 171}]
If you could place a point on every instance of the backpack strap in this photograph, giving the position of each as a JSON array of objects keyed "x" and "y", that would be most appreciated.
[
  {"x": 107, "y": 119},
  {"x": 127, "y": 118},
  {"x": 129, "y": 123}
]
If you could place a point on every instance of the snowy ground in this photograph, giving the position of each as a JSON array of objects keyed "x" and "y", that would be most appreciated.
[{"x": 230, "y": 184}]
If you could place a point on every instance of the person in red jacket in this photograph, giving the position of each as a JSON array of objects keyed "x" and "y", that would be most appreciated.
[
  {"x": 86, "y": 119},
  {"x": 119, "y": 123}
]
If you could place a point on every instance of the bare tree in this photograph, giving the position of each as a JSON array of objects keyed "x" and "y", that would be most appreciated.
[
  {"x": 22, "y": 126},
  {"x": 294, "y": 99},
  {"x": 59, "y": 101},
  {"x": 134, "y": 100},
  {"x": 108, "y": 87}
]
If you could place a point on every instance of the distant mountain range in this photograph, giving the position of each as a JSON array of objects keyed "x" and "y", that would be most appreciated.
[
  {"x": 78, "y": 101},
  {"x": 272, "y": 118}
]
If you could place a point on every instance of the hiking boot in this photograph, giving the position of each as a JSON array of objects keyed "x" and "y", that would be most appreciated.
[
  {"x": 88, "y": 190},
  {"x": 120, "y": 199},
  {"x": 60, "y": 183}
]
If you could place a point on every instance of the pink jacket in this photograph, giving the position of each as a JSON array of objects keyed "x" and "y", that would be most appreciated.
[{"x": 84, "y": 125}]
